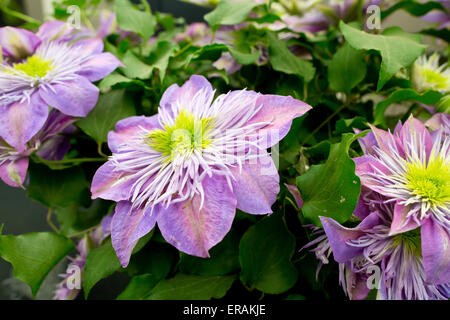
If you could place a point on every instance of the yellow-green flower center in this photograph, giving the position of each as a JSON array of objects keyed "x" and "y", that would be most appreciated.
[
  {"x": 188, "y": 133},
  {"x": 34, "y": 66},
  {"x": 430, "y": 182},
  {"x": 436, "y": 79},
  {"x": 411, "y": 241}
]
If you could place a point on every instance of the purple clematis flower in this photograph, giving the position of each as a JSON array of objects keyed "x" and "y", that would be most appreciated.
[
  {"x": 92, "y": 240},
  {"x": 440, "y": 17},
  {"x": 439, "y": 121},
  {"x": 370, "y": 246},
  {"x": 190, "y": 166},
  {"x": 44, "y": 69},
  {"x": 411, "y": 168},
  {"x": 50, "y": 143}
]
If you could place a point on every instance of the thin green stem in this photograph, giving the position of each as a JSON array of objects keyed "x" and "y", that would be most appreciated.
[
  {"x": 69, "y": 161},
  {"x": 19, "y": 15},
  {"x": 99, "y": 150},
  {"x": 49, "y": 220},
  {"x": 324, "y": 123},
  {"x": 82, "y": 232}
]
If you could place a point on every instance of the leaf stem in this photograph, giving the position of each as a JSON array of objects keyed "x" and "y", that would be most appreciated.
[
  {"x": 49, "y": 220},
  {"x": 342, "y": 107},
  {"x": 19, "y": 15},
  {"x": 69, "y": 161},
  {"x": 99, "y": 150},
  {"x": 82, "y": 232}
]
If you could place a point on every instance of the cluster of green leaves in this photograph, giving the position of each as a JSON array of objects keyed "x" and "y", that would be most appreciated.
[{"x": 351, "y": 78}]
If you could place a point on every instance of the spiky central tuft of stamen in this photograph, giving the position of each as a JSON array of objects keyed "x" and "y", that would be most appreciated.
[
  {"x": 186, "y": 134},
  {"x": 35, "y": 66},
  {"x": 430, "y": 182},
  {"x": 436, "y": 78},
  {"x": 410, "y": 241}
]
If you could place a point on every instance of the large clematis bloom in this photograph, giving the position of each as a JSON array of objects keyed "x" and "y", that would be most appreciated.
[
  {"x": 50, "y": 143},
  {"x": 45, "y": 69},
  {"x": 370, "y": 246},
  {"x": 190, "y": 166},
  {"x": 411, "y": 168}
]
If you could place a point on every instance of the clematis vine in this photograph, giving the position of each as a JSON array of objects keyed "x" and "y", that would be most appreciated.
[
  {"x": 190, "y": 166},
  {"x": 370, "y": 246},
  {"x": 45, "y": 70},
  {"x": 411, "y": 169},
  {"x": 50, "y": 143}
]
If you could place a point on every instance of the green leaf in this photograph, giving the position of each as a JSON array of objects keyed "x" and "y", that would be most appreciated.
[
  {"x": 396, "y": 51},
  {"x": 265, "y": 253},
  {"x": 139, "y": 287},
  {"x": 76, "y": 218},
  {"x": 428, "y": 98},
  {"x": 111, "y": 107},
  {"x": 190, "y": 287},
  {"x": 210, "y": 52},
  {"x": 112, "y": 79},
  {"x": 56, "y": 187},
  {"x": 229, "y": 13},
  {"x": 415, "y": 8},
  {"x": 102, "y": 262},
  {"x": 284, "y": 61},
  {"x": 131, "y": 19},
  {"x": 34, "y": 255},
  {"x": 347, "y": 125},
  {"x": 135, "y": 68},
  {"x": 444, "y": 105},
  {"x": 347, "y": 69},
  {"x": 331, "y": 189},
  {"x": 243, "y": 57},
  {"x": 156, "y": 258},
  {"x": 160, "y": 55},
  {"x": 224, "y": 259}
]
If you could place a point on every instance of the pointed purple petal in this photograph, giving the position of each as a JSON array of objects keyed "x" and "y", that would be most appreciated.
[
  {"x": 19, "y": 122},
  {"x": 256, "y": 186},
  {"x": 18, "y": 43},
  {"x": 13, "y": 173},
  {"x": 127, "y": 227},
  {"x": 367, "y": 142},
  {"x": 414, "y": 127},
  {"x": 54, "y": 149},
  {"x": 54, "y": 30},
  {"x": 194, "y": 230},
  {"x": 111, "y": 185},
  {"x": 356, "y": 285},
  {"x": 186, "y": 92},
  {"x": 435, "y": 252},
  {"x": 387, "y": 142},
  {"x": 130, "y": 127},
  {"x": 339, "y": 235},
  {"x": 296, "y": 194},
  {"x": 99, "y": 66},
  {"x": 75, "y": 97},
  {"x": 89, "y": 46},
  {"x": 280, "y": 110},
  {"x": 400, "y": 222},
  {"x": 362, "y": 209}
]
